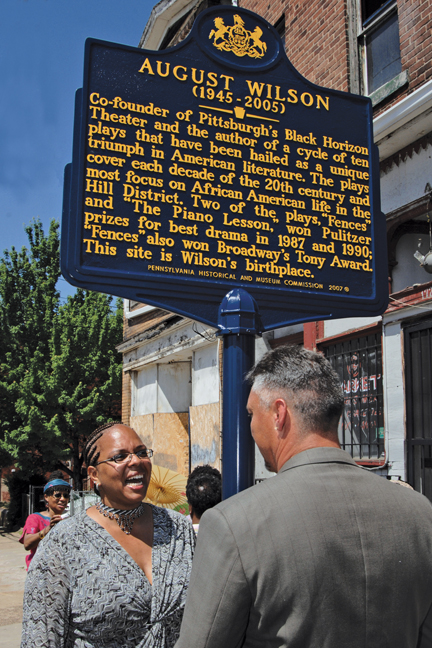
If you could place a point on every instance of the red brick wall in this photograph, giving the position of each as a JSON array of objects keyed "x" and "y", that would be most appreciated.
[
  {"x": 317, "y": 40},
  {"x": 416, "y": 40},
  {"x": 415, "y": 33},
  {"x": 316, "y": 37},
  {"x": 126, "y": 398}
]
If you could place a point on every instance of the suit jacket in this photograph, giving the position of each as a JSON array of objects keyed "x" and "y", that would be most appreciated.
[{"x": 323, "y": 555}]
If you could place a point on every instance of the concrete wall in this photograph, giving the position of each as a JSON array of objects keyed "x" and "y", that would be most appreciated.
[
  {"x": 394, "y": 399},
  {"x": 205, "y": 375},
  {"x": 340, "y": 326},
  {"x": 405, "y": 182}
]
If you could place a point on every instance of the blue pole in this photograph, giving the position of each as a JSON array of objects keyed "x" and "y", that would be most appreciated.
[{"x": 239, "y": 324}]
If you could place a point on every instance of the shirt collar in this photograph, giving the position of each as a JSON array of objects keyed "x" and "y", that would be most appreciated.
[{"x": 318, "y": 455}]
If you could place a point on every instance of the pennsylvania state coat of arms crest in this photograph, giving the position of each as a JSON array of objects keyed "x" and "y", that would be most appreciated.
[{"x": 237, "y": 39}]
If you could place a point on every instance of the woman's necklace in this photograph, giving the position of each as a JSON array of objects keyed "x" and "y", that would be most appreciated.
[{"x": 124, "y": 519}]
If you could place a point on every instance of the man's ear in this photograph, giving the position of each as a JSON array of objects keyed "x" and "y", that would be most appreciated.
[{"x": 281, "y": 415}]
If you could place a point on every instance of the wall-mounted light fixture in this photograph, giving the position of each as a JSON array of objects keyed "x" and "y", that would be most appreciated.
[{"x": 426, "y": 259}]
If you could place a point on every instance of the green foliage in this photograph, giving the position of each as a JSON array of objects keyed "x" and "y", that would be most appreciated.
[
  {"x": 68, "y": 377},
  {"x": 28, "y": 305}
]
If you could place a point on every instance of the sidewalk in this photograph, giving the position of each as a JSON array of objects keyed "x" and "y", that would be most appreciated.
[{"x": 12, "y": 578}]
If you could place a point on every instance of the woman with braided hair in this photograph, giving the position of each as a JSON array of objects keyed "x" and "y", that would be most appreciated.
[{"x": 116, "y": 575}]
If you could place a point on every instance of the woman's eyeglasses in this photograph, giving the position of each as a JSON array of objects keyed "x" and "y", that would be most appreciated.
[
  {"x": 125, "y": 457},
  {"x": 58, "y": 495}
]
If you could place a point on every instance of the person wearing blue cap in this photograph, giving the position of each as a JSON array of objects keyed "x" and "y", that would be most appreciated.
[{"x": 56, "y": 495}]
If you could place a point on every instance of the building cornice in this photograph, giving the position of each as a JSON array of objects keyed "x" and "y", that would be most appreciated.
[
  {"x": 411, "y": 302},
  {"x": 167, "y": 344},
  {"x": 405, "y": 122},
  {"x": 139, "y": 339},
  {"x": 163, "y": 15}
]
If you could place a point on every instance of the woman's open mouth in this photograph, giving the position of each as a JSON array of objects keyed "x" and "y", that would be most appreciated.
[{"x": 136, "y": 482}]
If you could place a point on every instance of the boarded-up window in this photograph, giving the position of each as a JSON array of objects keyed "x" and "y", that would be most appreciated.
[{"x": 162, "y": 388}]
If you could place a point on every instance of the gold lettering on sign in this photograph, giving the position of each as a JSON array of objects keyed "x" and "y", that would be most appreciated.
[{"x": 223, "y": 186}]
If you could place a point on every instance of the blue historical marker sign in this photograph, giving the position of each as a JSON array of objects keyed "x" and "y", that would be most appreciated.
[{"x": 215, "y": 165}]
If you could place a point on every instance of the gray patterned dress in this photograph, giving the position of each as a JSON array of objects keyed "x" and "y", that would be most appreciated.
[{"x": 83, "y": 590}]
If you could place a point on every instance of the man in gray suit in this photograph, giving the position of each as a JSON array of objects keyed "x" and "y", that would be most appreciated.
[{"x": 323, "y": 555}]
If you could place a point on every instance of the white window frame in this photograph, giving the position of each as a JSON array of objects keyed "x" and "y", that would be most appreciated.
[
  {"x": 396, "y": 82},
  {"x": 129, "y": 314}
]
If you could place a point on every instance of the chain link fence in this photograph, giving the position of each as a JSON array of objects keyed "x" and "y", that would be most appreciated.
[{"x": 81, "y": 500}]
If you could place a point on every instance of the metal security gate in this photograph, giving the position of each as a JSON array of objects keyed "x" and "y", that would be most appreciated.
[
  {"x": 358, "y": 361},
  {"x": 418, "y": 358},
  {"x": 36, "y": 499}
]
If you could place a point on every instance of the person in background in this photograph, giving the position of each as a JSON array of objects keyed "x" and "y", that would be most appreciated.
[
  {"x": 324, "y": 554},
  {"x": 203, "y": 491},
  {"x": 56, "y": 494}
]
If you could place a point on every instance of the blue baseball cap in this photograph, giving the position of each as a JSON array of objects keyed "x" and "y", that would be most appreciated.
[{"x": 56, "y": 482}]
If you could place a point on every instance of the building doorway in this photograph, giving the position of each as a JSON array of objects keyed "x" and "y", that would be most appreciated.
[{"x": 418, "y": 377}]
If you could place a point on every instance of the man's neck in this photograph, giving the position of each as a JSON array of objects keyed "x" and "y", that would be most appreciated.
[
  {"x": 195, "y": 519},
  {"x": 303, "y": 442}
]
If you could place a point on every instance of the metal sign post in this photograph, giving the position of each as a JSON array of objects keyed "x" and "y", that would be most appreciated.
[{"x": 238, "y": 324}]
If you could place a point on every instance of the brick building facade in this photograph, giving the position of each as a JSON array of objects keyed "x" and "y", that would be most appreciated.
[{"x": 379, "y": 49}]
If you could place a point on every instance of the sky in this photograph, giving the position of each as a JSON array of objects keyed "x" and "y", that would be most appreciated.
[{"x": 41, "y": 66}]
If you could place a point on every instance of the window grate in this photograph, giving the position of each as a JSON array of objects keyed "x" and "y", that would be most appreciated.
[{"x": 358, "y": 363}]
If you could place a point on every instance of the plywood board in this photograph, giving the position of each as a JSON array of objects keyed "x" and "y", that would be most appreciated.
[
  {"x": 205, "y": 435},
  {"x": 171, "y": 441},
  {"x": 143, "y": 426}
]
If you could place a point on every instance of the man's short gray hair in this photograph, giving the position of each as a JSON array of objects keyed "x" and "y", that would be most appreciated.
[{"x": 306, "y": 380}]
